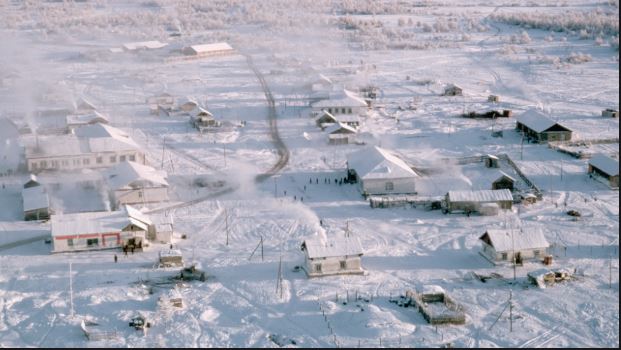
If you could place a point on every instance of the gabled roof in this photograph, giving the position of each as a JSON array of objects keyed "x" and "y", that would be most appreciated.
[
  {"x": 201, "y": 112},
  {"x": 35, "y": 198},
  {"x": 504, "y": 241},
  {"x": 606, "y": 164},
  {"x": 537, "y": 121},
  {"x": 128, "y": 175},
  {"x": 206, "y": 48},
  {"x": 33, "y": 181},
  {"x": 97, "y": 222},
  {"x": 90, "y": 118},
  {"x": 378, "y": 163},
  {"x": 341, "y": 98},
  {"x": 84, "y": 104},
  {"x": 482, "y": 196},
  {"x": 340, "y": 128},
  {"x": 501, "y": 174},
  {"x": 348, "y": 246}
]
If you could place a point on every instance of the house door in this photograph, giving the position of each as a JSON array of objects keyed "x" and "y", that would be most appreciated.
[{"x": 518, "y": 258}]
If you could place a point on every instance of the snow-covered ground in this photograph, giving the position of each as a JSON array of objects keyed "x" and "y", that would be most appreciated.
[{"x": 63, "y": 48}]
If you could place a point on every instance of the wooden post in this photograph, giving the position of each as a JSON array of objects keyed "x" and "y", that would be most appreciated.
[
  {"x": 510, "y": 311},
  {"x": 226, "y": 219}
]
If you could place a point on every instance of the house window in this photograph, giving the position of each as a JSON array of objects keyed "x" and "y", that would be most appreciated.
[
  {"x": 43, "y": 164},
  {"x": 86, "y": 161},
  {"x": 70, "y": 242},
  {"x": 121, "y": 158},
  {"x": 343, "y": 110},
  {"x": 537, "y": 253},
  {"x": 349, "y": 110},
  {"x": 34, "y": 165},
  {"x": 99, "y": 160},
  {"x": 76, "y": 162},
  {"x": 504, "y": 256},
  {"x": 54, "y": 163},
  {"x": 390, "y": 186},
  {"x": 139, "y": 194},
  {"x": 132, "y": 158},
  {"x": 112, "y": 159},
  {"x": 317, "y": 267},
  {"x": 329, "y": 110},
  {"x": 343, "y": 264},
  {"x": 92, "y": 242},
  {"x": 65, "y": 163}
]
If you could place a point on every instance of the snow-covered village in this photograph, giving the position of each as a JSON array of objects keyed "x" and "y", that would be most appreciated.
[{"x": 309, "y": 173}]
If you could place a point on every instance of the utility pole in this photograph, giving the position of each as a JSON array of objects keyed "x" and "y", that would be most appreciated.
[
  {"x": 610, "y": 273},
  {"x": 224, "y": 150},
  {"x": 71, "y": 290},
  {"x": 163, "y": 148},
  {"x": 561, "y": 169},
  {"x": 275, "y": 188},
  {"x": 226, "y": 220},
  {"x": 510, "y": 311},
  {"x": 522, "y": 148}
]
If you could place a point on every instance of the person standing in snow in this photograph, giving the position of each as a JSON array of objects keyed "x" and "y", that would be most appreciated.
[{"x": 115, "y": 258}]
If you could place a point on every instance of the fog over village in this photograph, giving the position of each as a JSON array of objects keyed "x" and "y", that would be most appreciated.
[{"x": 309, "y": 173}]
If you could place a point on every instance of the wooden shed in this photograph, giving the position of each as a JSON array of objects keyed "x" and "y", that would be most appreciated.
[
  {"x": 539, "y": 128},
  {"x": 453, "y": 90},
  {"x": 605, "y": 168},
  {"x": 504, "y": 181},
  {"x": 35, "y": 200},
  {"x": 340, "y": 134},
  {"x": 610, "y": 113}
]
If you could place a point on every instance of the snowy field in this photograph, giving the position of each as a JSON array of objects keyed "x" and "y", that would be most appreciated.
[{"x": 410, "y": 50}]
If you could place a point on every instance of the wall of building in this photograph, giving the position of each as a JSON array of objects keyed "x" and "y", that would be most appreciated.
[
  {"x": 331, "y": 266},
  {"x": 138, "y": 196},
  {"x": 37, "y": 214},
  {"x": 85, "y": 161},
  {"x": 526, "y": 254},
  {"x": 382, "y": 186}
]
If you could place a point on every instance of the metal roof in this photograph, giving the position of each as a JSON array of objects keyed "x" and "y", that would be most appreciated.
[
  {"x": 128, "y": 175},
  {"x": 206, "y": 48},
  {"x": 35, "y": 198},
  {"x": 482, "y": 196},
  {"x": 536, "y": 121},
  {"x": 97, "y": 222}
]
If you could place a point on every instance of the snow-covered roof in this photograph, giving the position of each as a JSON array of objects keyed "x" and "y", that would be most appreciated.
[
  {"x": 32, "y": 179},
  {"x": 433, "y": 289},
  {"x": 536, "y": 121},
  {"x": 201, "y": 112},
  {"x": 170, "y": 253},
  {"x": 35, "y": 198},
  {"x": 96, "y": 222},
  {"x": 378, "y": 163},
  {"x": 206, "y": 48},
  {"x": 482, "y": 196},
  {"x": 348, "y": 246},
  {"x": 606, "y": 164},
  {"x": 127, "y": 175},
  {"x": 103, "y": 139},
  {"x": 84, "y": 104},
  {"x": 504, "y": 241},
  {"x": 90, "y": 118},
  {"x": 340, "y": 126},
  {"x": 155, "y": 44},
  {"x": 341, "y": 98},
  {"x": 137, "y": 214}
]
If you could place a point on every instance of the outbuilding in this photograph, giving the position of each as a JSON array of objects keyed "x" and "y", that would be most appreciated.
[
  {"x": 453, "y": 90},
  {"x": 380, "y": 172},
  {"x": 35, "y": 200},
  {"x": 503, "y": 245},
  {"x": 335, "y": 257},
  {"x": 610, "y": 113},
  {"x": 538, "y": 127},
  {"x": 326, "y": 119},
  {"x": 503, "y": 181},
  {"x": 605, "y": 168},
  {"x": 474, "y": 201},
  {"x": 74, "y": 121},
  {"x": 127, "y": 227},
  {"x": 208, "y": 50},
  {"x": 340, "y": 134},
  {"x": 133, "y": 183}
]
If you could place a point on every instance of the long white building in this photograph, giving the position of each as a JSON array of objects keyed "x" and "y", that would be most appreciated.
[{"x": 89, "y": 147}]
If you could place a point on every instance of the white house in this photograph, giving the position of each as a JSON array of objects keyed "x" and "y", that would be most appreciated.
[
  {"x": 501, "y": 245},
  {"x": 379, "y": 172},
  {"x": 91, "y": 146},
  {"x": 326, "y": 119},
  {"x": 335, "y": 257},
  {"x": 341, "y": 102},
  {"x": 133, "y": 183},
  {"x": 487, "y": 202},
  {"x": 100, "y": 230},
  {"x": 340, "y": 134},
  {"x": 208, "y": 50},
  {"x": 35, "y": 200}
]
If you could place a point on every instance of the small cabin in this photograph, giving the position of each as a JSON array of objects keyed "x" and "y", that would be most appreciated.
[
  {"x": 334, "y": 257},
  {"x": 504, "y": 181},
  {"x": 453, "y": 90},
  {"x": 170, "y": 258},
  {"x": 493, "y": 98},
  {"x": 610, "y": 113},
  {"x": 491, "y": 161},
  {"x": 504, "y": 245},
  {"x": 473, "y": 201},
  {"x": 604, "y": 168}
]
